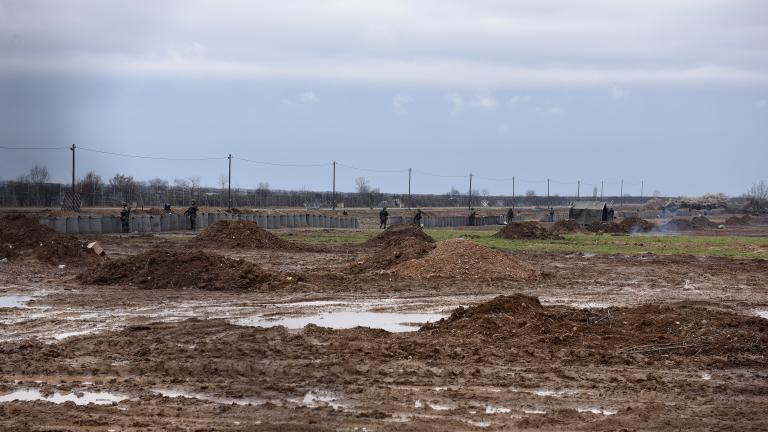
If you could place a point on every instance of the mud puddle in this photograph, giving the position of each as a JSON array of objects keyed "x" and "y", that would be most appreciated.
[
  {"x": 389, "y": 321},
  {"x": 79, "y": 398},
  {"x": 14, "y": 301}
]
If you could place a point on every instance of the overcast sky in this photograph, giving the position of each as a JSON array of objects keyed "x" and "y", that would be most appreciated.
[{"x": 672, "y": 92}]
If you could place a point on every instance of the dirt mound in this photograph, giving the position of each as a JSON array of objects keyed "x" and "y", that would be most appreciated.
[
  {"x": 393, "y": 253},
  {"x": 241, "y": 234},
  {"x": 566, "y": 227},
  {"x": 625, "y": 226},
  {"x": 21, "y": 236},
  {"x": 465, "y": 259},
  {"x": 739, "y": 220},
  {"x": 398, "y": 233},
  {"x": 526, "y": 231},
  {"x": 676, "y": 329},
  {"x": 160, "y": 269},
  {"x": 697, "y": 223}
]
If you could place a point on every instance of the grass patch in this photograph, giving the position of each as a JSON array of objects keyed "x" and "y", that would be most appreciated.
[{"x": 740, "y": 247}]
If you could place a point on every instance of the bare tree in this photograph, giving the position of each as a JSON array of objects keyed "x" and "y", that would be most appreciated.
[
  {"x": 39, "y": 174},
  {"x": 91, "y": 186},
  {"x": 362, "y": 186},
  {"x": 757, "y": 196},
  {"x": 223, "y": 181},
  {"x": 530, "y": 197},
  {"x": 125, "y": 186}
]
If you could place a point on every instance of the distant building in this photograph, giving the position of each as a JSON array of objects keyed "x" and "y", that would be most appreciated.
[{"x": 586, "y": 212}]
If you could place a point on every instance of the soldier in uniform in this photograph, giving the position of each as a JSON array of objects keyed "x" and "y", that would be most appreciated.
[
  {"x": 510, "y": 215},
  {"x": 472, "y": 217},
  {"x": 417, "y": 218},
  {"x": 125, "y": 218},
  {"x": 383, "y": 216},
  {"x": 192, "y": 213},
  {"x": 551, "y": 214},
  {"x": 167, "y": 208}
]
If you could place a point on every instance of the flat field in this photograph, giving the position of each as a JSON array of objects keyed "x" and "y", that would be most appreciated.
[{"x": 334, "y": 331}]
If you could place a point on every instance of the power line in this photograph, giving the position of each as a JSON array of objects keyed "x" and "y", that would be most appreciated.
[
  {"x": 372, "y": 169},
  {"x": 33, "y": 148},
  {"x": 150, "y": 157},
  {"x": 279, "y": 164},
  {"x": 438, "y": 175}
]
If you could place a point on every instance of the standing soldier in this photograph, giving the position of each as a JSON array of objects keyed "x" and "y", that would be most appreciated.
[
  {"x": 510, "y": 215},
  {"x": 383, "y": 216},
  {"x": 192, "y": 213},
  {"x": 417, "y": 218},
  {"x": 472, "y": 217},
  {"x": 551, "y": 214},
  {"x": 125, "y": 218}
]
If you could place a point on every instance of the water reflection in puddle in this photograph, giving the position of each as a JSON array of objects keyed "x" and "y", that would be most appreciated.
[
  {"x": 200, "y": 396},
  {"x": 595, "y": 410},
  {"x": 81, "y": 398},
  {"x": 389, "y": 321},
  {"x": 13, "y": 301}
]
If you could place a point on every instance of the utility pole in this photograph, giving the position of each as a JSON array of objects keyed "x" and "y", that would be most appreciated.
[
  {"x": 513, "y": 191},
  {"x": 333, "y": 199},
  {"x": 578, "y": 190},
  {"x": 73, "y": 172},
  {"x": 602, "y": 183},
  {"x": 622, "y": 193},
  {"x": 642, "y": 184},
  {"x": 549, "y": 201},
  {"x": 229, "y": 187},
  {"x": 470, "y": 191},
  {"x": 409, "y": 188}
]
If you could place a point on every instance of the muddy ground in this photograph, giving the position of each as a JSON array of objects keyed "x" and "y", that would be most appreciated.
[{"x": 620, "y": 342}]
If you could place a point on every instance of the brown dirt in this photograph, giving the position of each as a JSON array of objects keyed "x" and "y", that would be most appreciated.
[
  {"x": 465, "y": 259},
  {"x": 159, "y": 269},
  {"x": 625, "y": 226},
  {"x": 526, "y": 231},
  {"x": 739, "y": 220},
  {"x": 398, "y": 233},
  {"x": 392, "y": 253},
  {"x": 683, "y": 330},
  {"x": 24, "y": 236},
  {"x": 567, "y": 227},
  {"x": 241, "y": 234},
  {"x": 694, "y": 224}
]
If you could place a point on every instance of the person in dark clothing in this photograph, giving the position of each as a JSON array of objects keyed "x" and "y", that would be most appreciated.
[
  {"x": 383, "y": 216},
  {"x": 167, "y": 208},
  {"x": 551, "y": 214},
  {"x": 192, "y": 213},
  {"x": 510, "y": 215},
  {"x": 125, "y": 218},
  {"x": 417, "y": 218},
  {"x": 472, "y": 217}
]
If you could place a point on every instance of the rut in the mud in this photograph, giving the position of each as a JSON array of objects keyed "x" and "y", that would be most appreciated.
[
  {"x": 241, "y": 234},
  {"x": 160, "y": 269}
]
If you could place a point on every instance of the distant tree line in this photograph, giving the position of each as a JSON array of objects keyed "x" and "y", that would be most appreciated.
[{"x": 34, "y": 189}]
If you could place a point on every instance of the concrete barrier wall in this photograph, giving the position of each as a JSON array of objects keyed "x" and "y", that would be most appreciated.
[{"x": 92, "y": 224}]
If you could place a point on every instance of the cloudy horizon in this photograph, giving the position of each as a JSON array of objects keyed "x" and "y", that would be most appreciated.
[{"x": 673, "y": 93}]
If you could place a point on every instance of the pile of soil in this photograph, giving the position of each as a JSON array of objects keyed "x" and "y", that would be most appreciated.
[
  {"x": 697, "y": 223},
  {"x": 526, "y": 231},
  {"x": 465, "y": 259},
  {"x": 24, "y": 236},
  {"x": 674, "y": 329},
  {"x": 160, "y": 269},
  {"x": 739, "y": 220},
  {"x": 241, "y": 234},
  {"x": 393, "y": 253},
  {"x": 398, "y": 233},
  {"x": 625, "y": 226},
  {"x": 567, "y": 226}
]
